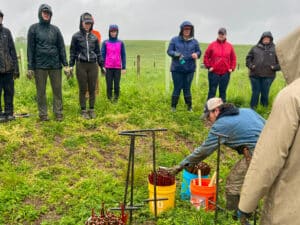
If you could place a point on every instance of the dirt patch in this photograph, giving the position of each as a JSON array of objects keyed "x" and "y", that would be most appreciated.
[{"x": 50, "y": 216}]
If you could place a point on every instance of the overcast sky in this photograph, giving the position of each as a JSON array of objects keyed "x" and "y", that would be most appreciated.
[{"x": 160, "y": 19}]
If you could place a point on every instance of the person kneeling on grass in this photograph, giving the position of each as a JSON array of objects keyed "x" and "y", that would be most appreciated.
[{"x": 243, "y": 127}]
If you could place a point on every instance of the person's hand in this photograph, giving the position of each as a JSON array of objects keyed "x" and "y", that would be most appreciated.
[
  {"x": 123, "y": 71},
  {"x": 244, "y": 217},
  {"x": 172, "y": 170},
  {"x": 230, "y": 70},
  {"x": 177, "y": 54},
  {"x": 252, "y": 67},
  {"x": 210, "y": 69},
  {"x": 194, "y": 56},
  {"x": 103, "y": 70},
  {"x": 67, "y": 71},
  {"x": 30, "y": 74},
  {"x": 272, "y": 67},
  {"x": 16, "y": 75},
  {"x": 70, "y": 74}
]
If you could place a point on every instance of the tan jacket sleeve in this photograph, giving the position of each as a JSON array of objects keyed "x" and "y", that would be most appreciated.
[{"x": 271, "y": 150}]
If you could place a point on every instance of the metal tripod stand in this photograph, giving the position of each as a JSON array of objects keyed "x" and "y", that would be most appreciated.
[{"x": 130, "y": 169}]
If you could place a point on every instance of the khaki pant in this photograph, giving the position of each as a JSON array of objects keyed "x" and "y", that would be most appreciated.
[
  {"x": 55, "y": 76},
  {"x": 234, "y": 184}
]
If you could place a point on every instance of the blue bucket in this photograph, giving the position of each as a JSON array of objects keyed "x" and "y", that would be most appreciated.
[{"x": 185, "y": 192}]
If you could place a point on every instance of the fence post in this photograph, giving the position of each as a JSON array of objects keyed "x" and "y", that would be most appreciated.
[
  {"x": 138, "y": 65},
  {"x": 22, "y": 61},
  {"x": 197, "y": 62}
]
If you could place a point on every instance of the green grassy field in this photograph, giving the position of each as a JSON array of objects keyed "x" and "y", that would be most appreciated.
[{"x": 56, "y": 172}]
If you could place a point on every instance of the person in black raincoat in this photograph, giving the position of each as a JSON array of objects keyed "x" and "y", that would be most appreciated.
[
  {"x": 263, "y": 64},
  {"x": 85, "y": 50},
  {"x": 9, "y": 71}
]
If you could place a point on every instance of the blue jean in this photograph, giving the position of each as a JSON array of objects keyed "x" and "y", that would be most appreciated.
[
  {"x": 215, "y": 81},
  {"x": 260, "y": 86},
  {"x": 182, "y": 81}
]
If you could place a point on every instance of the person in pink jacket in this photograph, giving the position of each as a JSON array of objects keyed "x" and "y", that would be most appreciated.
[
  {"x": 114, "y": 56},
  {"x": 220, "y": 60}
]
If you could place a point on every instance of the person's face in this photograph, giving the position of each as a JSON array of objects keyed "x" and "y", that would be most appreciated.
[
  {"x": 45, "y": 15},
  {"x": 266, "y": 40},
  {"x": 187, "y": 31},
  {"x": 221, "y": 36},
  {"x": 213, "y": 115},
  {"x": 113, "y": 33},
  {"x": 1, "y": 19},
  {"x": 86, "y": 26}
]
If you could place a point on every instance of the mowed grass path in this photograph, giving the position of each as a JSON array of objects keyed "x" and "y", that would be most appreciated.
[{"x": 56, "y": 172}]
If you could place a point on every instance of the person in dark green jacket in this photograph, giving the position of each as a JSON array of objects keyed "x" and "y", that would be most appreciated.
[{"x": 46, "y": 54}]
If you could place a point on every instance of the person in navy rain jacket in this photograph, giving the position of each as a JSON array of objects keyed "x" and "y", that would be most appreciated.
[{"x": 184, "y": 50}]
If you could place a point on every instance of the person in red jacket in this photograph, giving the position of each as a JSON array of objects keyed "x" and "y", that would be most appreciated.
[{"x": 220, "y": 60}]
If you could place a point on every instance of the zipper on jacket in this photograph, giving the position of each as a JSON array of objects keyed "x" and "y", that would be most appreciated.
[{"x": 87, "y": 47}]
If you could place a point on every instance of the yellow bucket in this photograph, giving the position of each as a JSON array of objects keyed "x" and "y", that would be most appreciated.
[{"x": 162, "y": 192}]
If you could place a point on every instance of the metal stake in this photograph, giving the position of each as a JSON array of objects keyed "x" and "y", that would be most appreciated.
[{"x": 218, "y": 171}]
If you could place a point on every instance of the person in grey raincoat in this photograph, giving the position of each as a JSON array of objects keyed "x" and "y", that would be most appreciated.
[{"x": 274, "y": 172}]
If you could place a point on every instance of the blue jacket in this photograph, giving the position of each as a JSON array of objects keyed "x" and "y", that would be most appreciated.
[
  {"x": 181, "y": 51},
  {"x": 242, "y": 128}
]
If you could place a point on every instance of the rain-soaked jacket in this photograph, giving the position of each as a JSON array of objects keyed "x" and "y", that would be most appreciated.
[
  {"x": 85, "y": 46},
  {"x": 45, "y": 44},
  {"x": 8, "y": 55},
  {"x": 242, "y": 126},
  {"x": 220, "y": 56},
  {"x": 181, "y": 51},
  {"x": 113, "y": 51},
  {"x": 261, "y": 59},
  {"x": 274, "y": 171}
]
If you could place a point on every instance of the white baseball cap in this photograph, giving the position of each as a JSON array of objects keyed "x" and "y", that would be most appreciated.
[{"x": 212, "y": 104}]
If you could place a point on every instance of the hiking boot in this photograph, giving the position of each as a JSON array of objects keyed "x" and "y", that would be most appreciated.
[
  {"x": 59, "y": 117},
  {"x": 173, "y": 109},
  {"x": 190, "y": 109},
  {"x": 84, "y": 114},
  {"x": 3, "y": 118},
  {"x": 10, "y": 117},
  {"x": 44, "y": 118},
  {"x": 92, "y": 114}
]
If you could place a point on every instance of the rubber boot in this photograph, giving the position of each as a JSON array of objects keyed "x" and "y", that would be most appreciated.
[
  {"x": 174, "y": 103},
  {"x": 188, "y": 102}
]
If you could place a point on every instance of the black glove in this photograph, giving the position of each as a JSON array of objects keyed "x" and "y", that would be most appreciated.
[{"x": 243, "y": 217}]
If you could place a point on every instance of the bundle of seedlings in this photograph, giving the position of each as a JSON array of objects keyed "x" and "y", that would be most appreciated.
[
  {"x": 106, "y": 218},
  {"x": 163, "y": 178},
  {"x": 204, "y": 167}
]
